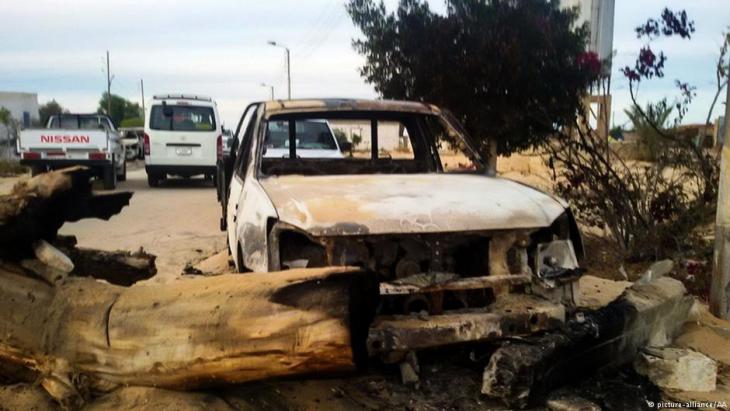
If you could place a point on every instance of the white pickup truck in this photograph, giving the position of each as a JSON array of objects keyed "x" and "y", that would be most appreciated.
[{"x": 75, "y": 139}]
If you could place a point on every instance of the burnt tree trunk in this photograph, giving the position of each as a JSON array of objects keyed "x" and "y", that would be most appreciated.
[
  {"x": 79, "y": 335},
  {"x": 82, "y": 334}
]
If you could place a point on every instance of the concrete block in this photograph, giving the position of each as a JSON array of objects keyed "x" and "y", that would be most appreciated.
[
  {"x": 678, "y": 368},
  {"x": 571, "y": 403}
]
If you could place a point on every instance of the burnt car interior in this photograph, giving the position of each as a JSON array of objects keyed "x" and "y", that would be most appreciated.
[{"x": 412, "y": 150}]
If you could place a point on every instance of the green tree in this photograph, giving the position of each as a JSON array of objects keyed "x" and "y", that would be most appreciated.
[
  {"x": 51, "y": 108},
  {"x": 121, "y": 108},
  {"x": 5, "y": 116},
  {"x": 132, "y": 122},
  {"x": 341, "y": 136},
  {"x": 512, "y": 72}
]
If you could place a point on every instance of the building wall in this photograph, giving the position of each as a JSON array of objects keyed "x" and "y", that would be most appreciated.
[
  {"x": 23, "y": 108},
  {"x": 599, "y": 14}
]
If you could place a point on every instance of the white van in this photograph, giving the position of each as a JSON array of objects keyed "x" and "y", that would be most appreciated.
[{"x": 182, "y": 136}]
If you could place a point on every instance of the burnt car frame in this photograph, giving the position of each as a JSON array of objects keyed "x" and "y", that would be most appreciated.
[{"x": 461, "y": 247}]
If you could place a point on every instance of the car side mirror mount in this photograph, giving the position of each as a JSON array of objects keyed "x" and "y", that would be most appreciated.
[{"x": 345, "y": 147}]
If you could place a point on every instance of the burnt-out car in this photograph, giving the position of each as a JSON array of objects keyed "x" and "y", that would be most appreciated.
[{"x": 411, "y": 201}]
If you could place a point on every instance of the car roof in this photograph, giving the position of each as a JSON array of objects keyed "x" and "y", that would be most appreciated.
[{"x": 274, "y": 107}]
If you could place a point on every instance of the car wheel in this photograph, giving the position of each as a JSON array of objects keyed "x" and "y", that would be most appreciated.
[
  {"x": 239, "y": 260},
  {"x": 110, "y": 177}
]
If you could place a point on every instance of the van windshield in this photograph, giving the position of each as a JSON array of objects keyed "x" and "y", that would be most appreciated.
[{"x": 182, "y": 118}]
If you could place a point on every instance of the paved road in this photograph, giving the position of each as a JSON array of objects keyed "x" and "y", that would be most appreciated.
[{"x": 177, "y": 221}]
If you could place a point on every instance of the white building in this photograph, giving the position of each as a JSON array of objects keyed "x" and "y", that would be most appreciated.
[
  {"x": 23, "y": 109},
  {"x": 599, "y": 15}
]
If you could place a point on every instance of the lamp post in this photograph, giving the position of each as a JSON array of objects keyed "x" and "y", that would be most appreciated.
[
  {"x": 288, "y": 65},
  {"x": 270, "y": 87}
]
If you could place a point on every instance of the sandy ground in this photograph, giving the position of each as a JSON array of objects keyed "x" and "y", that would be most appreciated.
[{"x": 178, "y": 222}]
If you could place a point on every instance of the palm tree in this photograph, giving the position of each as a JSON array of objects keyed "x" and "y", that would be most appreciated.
[{"x": 646, "y": 126}]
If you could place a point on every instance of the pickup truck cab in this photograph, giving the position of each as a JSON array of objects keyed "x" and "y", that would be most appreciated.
[
  {"x": 182, "y": 136},
  {"x": 90, "y": 140}
]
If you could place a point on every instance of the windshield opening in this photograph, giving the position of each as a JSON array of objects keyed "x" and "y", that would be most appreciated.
[
  {"x": 333, "y": 143},
  {"x": 182, "y": 118},
  {"x": 310, "y": 135}
]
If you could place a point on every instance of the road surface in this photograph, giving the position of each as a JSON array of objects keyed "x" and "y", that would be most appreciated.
[{"x": 178, "y": 222}]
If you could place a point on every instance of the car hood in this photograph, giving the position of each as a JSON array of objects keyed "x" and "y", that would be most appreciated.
[{"x": 420, "y": 203}]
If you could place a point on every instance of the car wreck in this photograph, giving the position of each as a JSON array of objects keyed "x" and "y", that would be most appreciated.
[
  {"x": 81, "y": 323},
  {"x": 413, "y": 203}
]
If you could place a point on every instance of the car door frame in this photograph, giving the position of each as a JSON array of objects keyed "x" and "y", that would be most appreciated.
[{"x": 249, "y": 207}]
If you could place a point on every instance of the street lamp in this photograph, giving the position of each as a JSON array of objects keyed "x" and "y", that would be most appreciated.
[
  {"x": 270, "y": 87},
  {"x": 288, "y": 65}
]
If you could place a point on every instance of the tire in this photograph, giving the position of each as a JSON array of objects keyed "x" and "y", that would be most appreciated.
[
  {"x": 153, "y": 180},
  {"x": 109, "y": 176},
  {"x": 123, "y": 176},
  {"x": 239, "y": 260},
  {"x": 35, "y": 170}
]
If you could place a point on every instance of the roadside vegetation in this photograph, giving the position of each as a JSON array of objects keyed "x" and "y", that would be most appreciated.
[{"x": 657, "y": 204}]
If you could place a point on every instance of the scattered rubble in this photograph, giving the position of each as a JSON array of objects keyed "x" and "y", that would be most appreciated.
[
  {"x": 677, "y": 369},
  {"x": 521, "y": 372}
]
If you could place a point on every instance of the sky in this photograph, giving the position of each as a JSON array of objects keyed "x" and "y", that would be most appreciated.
[{"x": 219, "y": 48}]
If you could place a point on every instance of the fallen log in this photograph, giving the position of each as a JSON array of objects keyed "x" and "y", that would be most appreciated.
[
  {"x": 117, "y": 267},
  {"x": 82, "y": 335},
  {"x": 79, "y": 335},
  {"x": 522, "y": 372}
]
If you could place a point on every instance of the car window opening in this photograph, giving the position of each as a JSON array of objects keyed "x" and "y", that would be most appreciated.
[{"x": 360, "y": 143}]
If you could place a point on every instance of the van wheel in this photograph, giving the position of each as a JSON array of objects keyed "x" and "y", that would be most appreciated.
[
  {"x": 153, "y": 180},
  {"x": 110, "y": 177},
  {"x": 123, "y": 175}
]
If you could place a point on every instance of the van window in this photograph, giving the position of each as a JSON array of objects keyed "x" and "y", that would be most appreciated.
[{"x": 182, "y": 118}]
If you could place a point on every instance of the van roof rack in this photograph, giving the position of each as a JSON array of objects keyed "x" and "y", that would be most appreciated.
[{"x": 181, "y": 97}]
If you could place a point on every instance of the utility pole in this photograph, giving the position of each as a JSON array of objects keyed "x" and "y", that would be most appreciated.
[
  {"x": 288, "y": 65},
  {"x": 720, "y": 288},
  {"x": 288, "y": 73},
  {"x": 109, "y": 79},
  {"x": 270, "y": 88},
  {"x": 141, "y": 86}
]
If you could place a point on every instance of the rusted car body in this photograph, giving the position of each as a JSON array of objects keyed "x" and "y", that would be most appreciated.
[{"x": 479, "y": 257}]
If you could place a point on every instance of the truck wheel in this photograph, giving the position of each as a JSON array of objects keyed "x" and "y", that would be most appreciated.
[
  {"x": 123, "y": 175},
  {"x": 110, "y": 177},
  {"x": 35, "y": 170}
]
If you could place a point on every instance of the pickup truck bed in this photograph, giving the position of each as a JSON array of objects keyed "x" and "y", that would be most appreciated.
[{"x": 54, "y": 148}]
